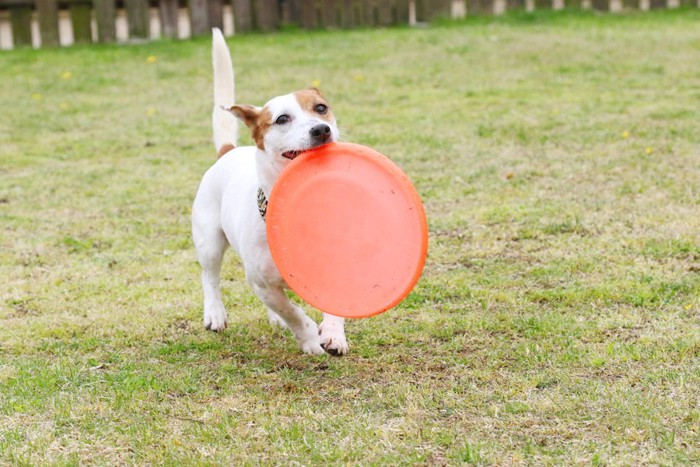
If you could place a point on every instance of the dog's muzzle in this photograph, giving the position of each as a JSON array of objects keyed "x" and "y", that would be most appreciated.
[{"x": 319, "y": 135}]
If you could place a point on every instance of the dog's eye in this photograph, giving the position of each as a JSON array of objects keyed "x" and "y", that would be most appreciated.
[
  {"x": 321, "y": 108},
  {"x": 282, "y": 119}
]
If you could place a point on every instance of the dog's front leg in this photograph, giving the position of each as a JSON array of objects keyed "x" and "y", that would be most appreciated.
[
  {"x": 332, "y": 332},
  {"x": 304, "y": 328}
]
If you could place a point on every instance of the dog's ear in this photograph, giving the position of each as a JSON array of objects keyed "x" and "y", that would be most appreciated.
[
  {"x": 256, "y": 119},
  {"x": 248, "y": 114}
]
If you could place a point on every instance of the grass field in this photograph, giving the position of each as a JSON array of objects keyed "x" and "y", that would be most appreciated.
[{"x": 557, "y": 321}]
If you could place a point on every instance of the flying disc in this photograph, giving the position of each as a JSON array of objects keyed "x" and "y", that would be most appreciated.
[{"x": 347, "y": 230}]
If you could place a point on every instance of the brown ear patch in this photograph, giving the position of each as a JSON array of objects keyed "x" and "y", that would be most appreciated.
[
  {"x": 308, "y": 99},
  {"x": 262, "y": 125},
  {"x": 248, "y": 114},
  {"x": 258, "y": 120}
]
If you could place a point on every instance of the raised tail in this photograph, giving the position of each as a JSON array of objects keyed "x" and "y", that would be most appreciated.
[{"x": 224, "y": 123}]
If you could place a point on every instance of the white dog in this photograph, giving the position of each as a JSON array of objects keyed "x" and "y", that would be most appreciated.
[{"x": 230, "y": 204}]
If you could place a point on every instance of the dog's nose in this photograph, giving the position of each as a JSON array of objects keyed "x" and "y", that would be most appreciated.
[{"x": 321, "y": 133}]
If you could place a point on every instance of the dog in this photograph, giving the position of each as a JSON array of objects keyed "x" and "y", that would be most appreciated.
[{"x": 229, "y": 207}]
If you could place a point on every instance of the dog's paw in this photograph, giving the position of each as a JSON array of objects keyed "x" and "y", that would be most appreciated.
[
  {"x": 312, "y": 348},
  {"x": 333, "y": 339},
  {"x": 307, "y": 336},
  {"x": 215, "y": 320},
  {"x": 336, "y": 346}
]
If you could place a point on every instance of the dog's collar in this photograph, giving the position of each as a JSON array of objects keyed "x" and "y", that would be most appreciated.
[{"x": 262, "y": 203}]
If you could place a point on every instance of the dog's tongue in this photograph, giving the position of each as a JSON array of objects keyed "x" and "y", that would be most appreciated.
[{"x": 291, "y": 155}]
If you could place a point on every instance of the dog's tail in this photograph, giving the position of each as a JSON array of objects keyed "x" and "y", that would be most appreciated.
[{"x": 224, "y": 123}]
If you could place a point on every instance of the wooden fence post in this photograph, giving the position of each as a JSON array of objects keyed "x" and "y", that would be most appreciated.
[
  {"x": 199, "y": 17},
  {"x": 21, "y": 20},
  {"x": 357, "y": 13},
  {"x": 387, "y": 13},
  {"x": 479, "y": 7},
  {"x": 266, "y": 15},
  {"x": 307, "y": 14},
  {"x": 47, "y": 11},
  {"x": 371, "y": 10},
  {"x": 513, "y": 5},
  {"x": 346, "y": 14},
  {"x": 215, "y": 15},
  {"x": 383, "y": 12},
  {"x": 421, "y": 10},
  {"x": 439, "y": 9},
  {"x": 80, "y": 17},
  {"x": 105, "y": 14},
  {"x": 290, "y": 12},
  {"x": 329, "y": 13},
  {"x": 401, "y": 12},
  {"x": 168, "y": 12},
  {"x": 242, "y": 16},
  {"x": 137, "y": 16}
]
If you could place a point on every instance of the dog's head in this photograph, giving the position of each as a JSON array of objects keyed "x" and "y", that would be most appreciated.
[{"x": 289, "y": 125}]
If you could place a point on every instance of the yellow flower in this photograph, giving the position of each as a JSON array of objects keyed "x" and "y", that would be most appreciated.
[
  {"x": 37, "y": 97},
  {"x": 649, "y": 150},
  {"x": 63, "y": 106},
  {"x": 359, "y": 77},
  {"x": 150, "y": 111},
  {"x": 316, "y": 83},
  {"x": 625, "y": 134},
  {"x": 688, "y": 306},
  {"x": 151, "y": 59},
  {"x": 66, "y": 75}
]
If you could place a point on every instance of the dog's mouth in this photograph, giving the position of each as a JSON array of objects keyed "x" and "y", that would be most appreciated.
[{"x": 291, "y": 155}]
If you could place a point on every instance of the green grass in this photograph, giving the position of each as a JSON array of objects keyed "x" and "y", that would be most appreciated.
[{"x": 557, "y": 321}]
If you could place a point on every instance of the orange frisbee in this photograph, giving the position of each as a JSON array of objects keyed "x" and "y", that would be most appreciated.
[{"x": 347, "y": 230}]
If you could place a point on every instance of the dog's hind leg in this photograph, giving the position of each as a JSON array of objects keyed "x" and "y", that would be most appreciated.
[
  {"x": 276, "y": 320},
  {"x": 214, "y": 313},
  {"x": 304, "y": 328},
  {"x": 211, "y": 244}
]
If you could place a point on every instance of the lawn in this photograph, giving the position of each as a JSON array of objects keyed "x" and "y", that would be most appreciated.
[{"x": 557, "y": 320}]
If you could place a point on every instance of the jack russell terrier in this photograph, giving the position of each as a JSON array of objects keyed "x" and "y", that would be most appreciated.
[{"x": 230, "y": 205}]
